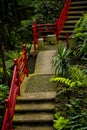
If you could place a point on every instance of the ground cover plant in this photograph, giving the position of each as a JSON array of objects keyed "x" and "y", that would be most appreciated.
[
  {"x": 3, "y": 95},
  {"x": 71, "y": 98}
]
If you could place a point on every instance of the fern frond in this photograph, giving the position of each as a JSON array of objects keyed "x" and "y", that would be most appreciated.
[{"x": 67, "y": 82}]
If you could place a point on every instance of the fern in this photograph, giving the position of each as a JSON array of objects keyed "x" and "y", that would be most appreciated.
[
  {"x": 66, "y": 81},
  {"x": 60, "y": 122}
]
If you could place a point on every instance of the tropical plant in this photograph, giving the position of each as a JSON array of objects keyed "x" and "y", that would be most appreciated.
[
  {"x": 61, "y": 61},
  {"x": 60, "y": 122},
  {"x": 82, "y": 50},
  {"x": 68, "y": 82},
  {"x": 77, "y": 114},
  {"x": 81, "y": 36},
  {"x": 76, "y": 74},
  {"x": 77, "y": 78}
]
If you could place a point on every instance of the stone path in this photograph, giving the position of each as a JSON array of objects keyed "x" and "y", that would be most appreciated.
[{"x": 44, "y": 62}]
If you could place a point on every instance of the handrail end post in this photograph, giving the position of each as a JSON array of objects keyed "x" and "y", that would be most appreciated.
[
  {"x": 24, "y": 46},
  {"x": 15, "y": 61}
]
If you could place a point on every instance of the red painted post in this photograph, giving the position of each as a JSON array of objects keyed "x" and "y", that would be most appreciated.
[
  {"x": 26, "y": 62},
  {"x": 17, "y": 78}
]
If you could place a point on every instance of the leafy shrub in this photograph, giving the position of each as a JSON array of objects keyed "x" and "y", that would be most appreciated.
[
  {"x": 76, "y": 80},
  {"x": 81, "y": 36},
  {"x": 77, "y": 114},
  {"x": 60, "y": 122},
  {"x": 14, "y": 39},
  {"x": 25, "y": 31},
  {"x": 61, "y": 61},
  {"x": 3, "y": 96},
  {"x": 48, "y": 11},
  {"x": 76, "y": 74}
]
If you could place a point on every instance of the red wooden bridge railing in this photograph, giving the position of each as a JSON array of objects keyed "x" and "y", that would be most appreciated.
[
  {"x": 63, "y": 17},
  {"x": 40, "y": 30},
  {"x": 20, "y": 71}
]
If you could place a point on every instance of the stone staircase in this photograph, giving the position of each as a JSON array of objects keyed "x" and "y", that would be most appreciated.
[
  {"x": 35, "y": 107},
  {"x": 34, "y": 111},
  {"x": 77, "y": 9}
]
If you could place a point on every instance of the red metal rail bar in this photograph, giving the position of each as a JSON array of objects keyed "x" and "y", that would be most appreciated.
[
  {"x": 20, "y": 71},
  {"x": 55, "y": 28},
  {"x": 63, "y": 17}
]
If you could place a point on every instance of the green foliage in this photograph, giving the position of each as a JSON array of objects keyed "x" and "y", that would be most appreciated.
[
  {"x": 81, "y": 24},
  {"x": 46, "y": 10},
  {"x": 76, "y": 79},
  {"x": 82, "y": 49},
  {"x": 14, "y": 39},
  {"x": 81, "y": 36},
  {"x": 61, "y": 61},
  {"x": 68, "y": 82},
  {"x": 3, "y": 96},
  {"x": 77, "y": 115},
  {"x": 60, "y": 122},
  {"x": 25, "y": 31},
  {"x": 76, "y": 74},
  {"x": 10, "y": 56},
  {"x": 9, "y": 62},
  {"x": 3, "y": 92}
]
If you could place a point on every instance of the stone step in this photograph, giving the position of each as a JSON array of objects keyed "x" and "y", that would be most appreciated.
[
  {"x": 37, "y": 96},
  {"x": 33, "y": 128},
  {"x": 31, "y": 107},
  {"x": 75, "y": 13},
  {"x": 70, "y": 22},
  {"x": 74, "y": 17},
  {"x": 81, "y": 7},
  {"x": 67, "y": 27},
  {"x": 78, "y": 3},
  {"x": 66, "y": 31},
  {"x": 39, "y": 117}
]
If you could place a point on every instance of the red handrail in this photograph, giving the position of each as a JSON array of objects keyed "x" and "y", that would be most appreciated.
[
  {"x": 20, "y": 71},
  {"x": 55, "y": 28},
  {"x": 63, "y": 17},
  {"x": 40, "y": 29}
]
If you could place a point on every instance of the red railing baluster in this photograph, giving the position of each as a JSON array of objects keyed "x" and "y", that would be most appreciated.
[{"x": 18, "y": 76}]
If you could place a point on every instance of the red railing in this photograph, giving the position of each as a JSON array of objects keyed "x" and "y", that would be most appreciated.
[
  {"x": 20, "y": 71},
  {"x": 55, "y": 28},
  {"x": 41, "y": 30},
  {"x": 63, "y": 17}
]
